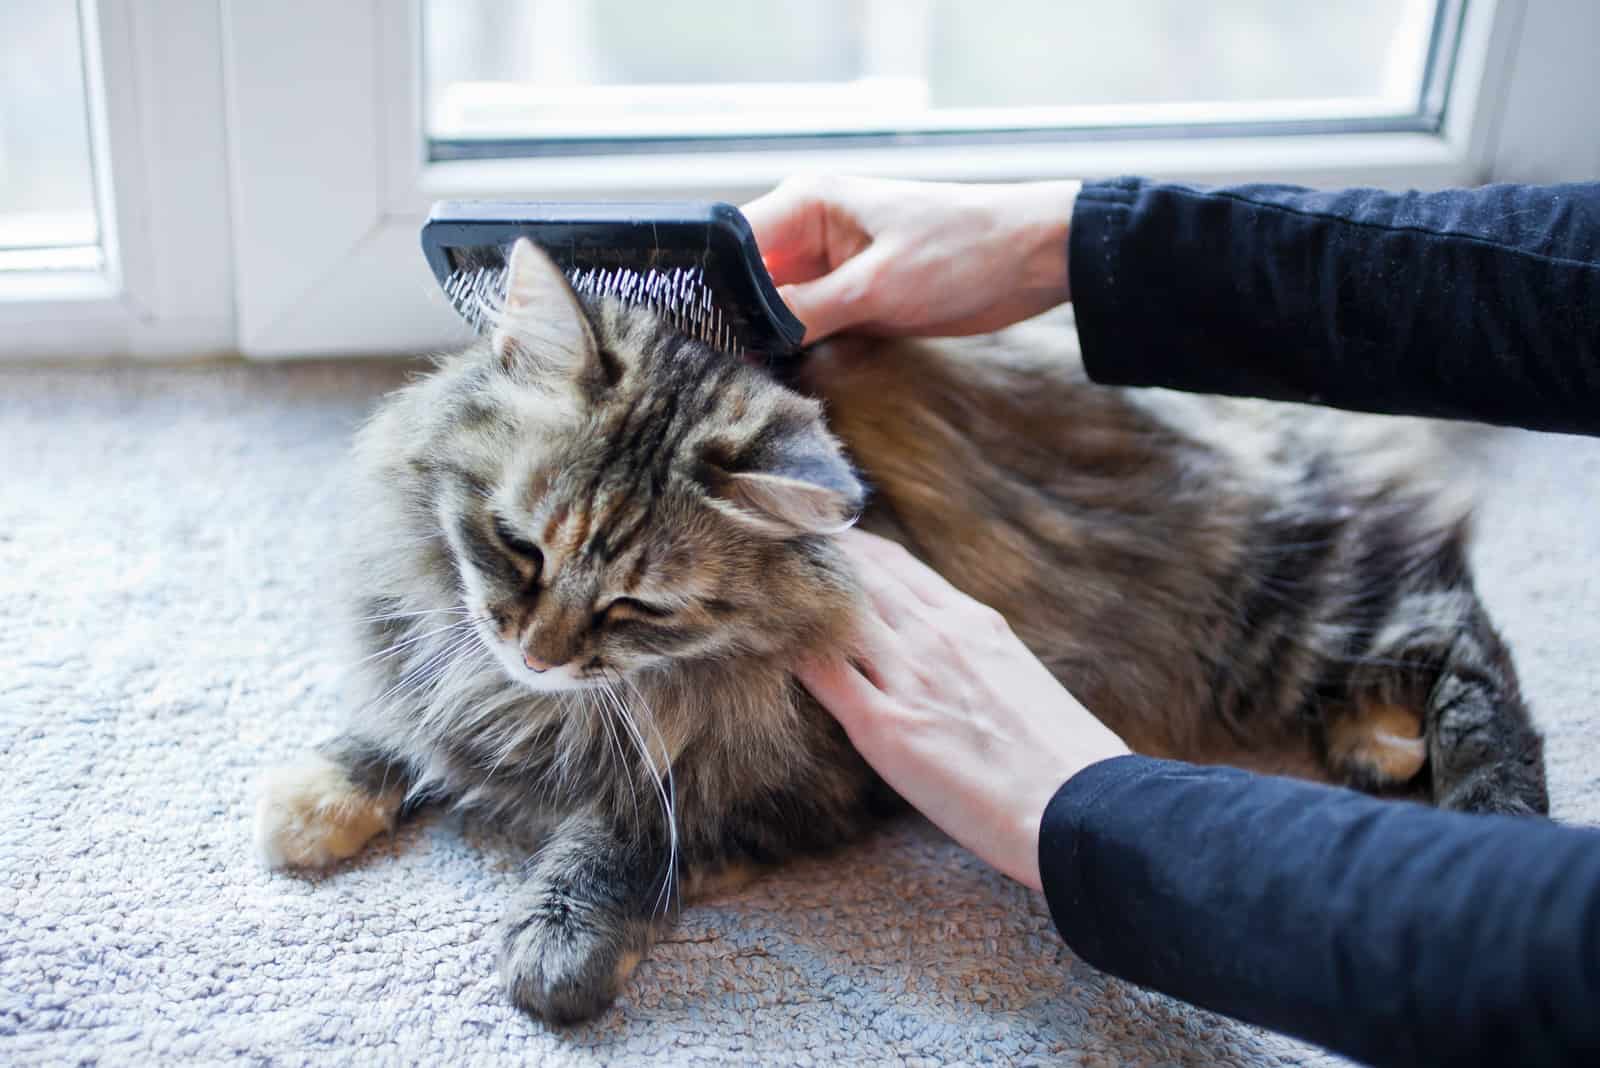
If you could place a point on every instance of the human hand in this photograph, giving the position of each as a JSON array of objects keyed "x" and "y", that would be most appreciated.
[
  {"x": 953, "y": 710},
  {"x": 925, "y": 258}
]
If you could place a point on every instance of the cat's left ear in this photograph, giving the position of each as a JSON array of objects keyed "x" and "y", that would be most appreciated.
[
  {"x": 795, "y": 483},
  {"x": 542, "y": 327}
]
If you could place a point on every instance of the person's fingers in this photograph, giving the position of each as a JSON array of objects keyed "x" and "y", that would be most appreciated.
[
  {"x": 880, "y": 558},
  {"x": 891, "y": 598},
  {"x": 881, "y": 652},
  {"x": 791, "y": 232},
  {"x": 838, "y": 300},
  {"x": 841, "y": 689}
]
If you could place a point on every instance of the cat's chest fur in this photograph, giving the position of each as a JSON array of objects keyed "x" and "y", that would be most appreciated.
[{"x": 706, "y": 736}]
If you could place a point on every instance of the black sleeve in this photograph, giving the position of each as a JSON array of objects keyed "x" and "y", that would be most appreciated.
[
  {"x": 1386, "y": 931},
  {"x": 1472, "y": 303}
]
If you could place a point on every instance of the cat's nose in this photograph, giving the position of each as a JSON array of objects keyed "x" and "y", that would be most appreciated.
[{"x": 534, "y": 663}]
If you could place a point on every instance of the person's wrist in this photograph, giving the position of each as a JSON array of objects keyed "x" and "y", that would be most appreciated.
[
  {"x": 1029, "y": 826},
  {"x": 1043, "y": 219}
]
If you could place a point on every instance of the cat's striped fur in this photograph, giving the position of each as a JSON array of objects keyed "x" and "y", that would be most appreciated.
[
  {"x": 1226, "y": 581},
  {"x": 589, "y": 494}
]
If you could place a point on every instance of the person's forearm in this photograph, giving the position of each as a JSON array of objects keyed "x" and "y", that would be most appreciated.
[
  {"x": 1476, "y": 304},
  {"x": 1389, "y": 932}
]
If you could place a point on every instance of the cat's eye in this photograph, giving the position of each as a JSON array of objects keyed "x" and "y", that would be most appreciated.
[
  {"x": 629, "y": 608},
  {"x": 518, "y": 544}
]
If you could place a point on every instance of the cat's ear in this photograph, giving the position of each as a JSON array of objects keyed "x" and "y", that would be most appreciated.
[
  {"x": 541, "y": 326},
  {"x": 795, "y": 483}
]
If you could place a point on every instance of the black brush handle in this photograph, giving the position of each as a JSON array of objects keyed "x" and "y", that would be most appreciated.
[{"x": 578, "y": 235}]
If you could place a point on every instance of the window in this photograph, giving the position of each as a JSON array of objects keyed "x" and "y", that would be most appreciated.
[
  {"x": 524, "y": 77},
  {"x": 203, "y": 177},
  {"x": 114, "y": 233},
  {"x": 704, "y": 99},
  {"x": 48, "y": 218}
]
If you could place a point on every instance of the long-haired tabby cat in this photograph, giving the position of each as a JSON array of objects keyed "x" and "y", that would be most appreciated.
[{"x": 592, "y": 550}]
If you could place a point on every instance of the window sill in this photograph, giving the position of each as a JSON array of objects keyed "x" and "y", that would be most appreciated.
[
  {"x": 1418, "y": 159},
  {"x": 68, "y": 287}
]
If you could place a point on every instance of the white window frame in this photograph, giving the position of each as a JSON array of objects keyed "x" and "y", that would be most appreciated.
[
  {"x": 263, "y": 171},
  {"x": 153, "y": 77}
]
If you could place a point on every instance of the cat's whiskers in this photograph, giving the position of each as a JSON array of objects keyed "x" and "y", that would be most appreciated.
[
  {"x": 406, "y": 643},
  {"x": 565, "y": 754},
  {"x": 663, "y": 796},
  {"x": 599, "y": 706},
  {"x": 421, "y": 539},
  {"x": 666, "y": 787},
  {"x": 636, "y": 738},
  {"x": 464, "y": 656},
  {"x": 384, "y": 617},
  {"x": 428, "y": 671},
  {"x": 426, "y": 680},
  {"x": 506, "y": 748}
]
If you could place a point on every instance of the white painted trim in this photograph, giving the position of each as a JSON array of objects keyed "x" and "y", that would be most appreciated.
[
  {"x": 329, "y": 179},
  {"x": 260, "y": 187},
  {"x": 303, "y": 112},
  {"x": 403, "y": 160},
  {"x": 1455, "y": 156},
  {"x": 1548, "y": 128},
  {"x": 1477, "y": 90},
  {"x": 361, "y": 285},
  {"x": 154, "y": 82},
  {"x": 1421, "y": 159},
  {"x": 111, "y": 64}
]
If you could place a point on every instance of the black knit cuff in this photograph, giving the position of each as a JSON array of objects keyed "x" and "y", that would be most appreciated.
[
  {"x": 1096, "y": 278},
  {"x": 1066, "y": 849}
]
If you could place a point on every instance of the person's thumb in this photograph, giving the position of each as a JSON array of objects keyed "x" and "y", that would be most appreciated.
[{"x": 840, "y": 299}]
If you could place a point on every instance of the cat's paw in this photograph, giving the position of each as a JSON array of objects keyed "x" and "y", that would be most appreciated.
[
  {"x": 564, "y": 962},
  {"x": 310, "y": 815}
]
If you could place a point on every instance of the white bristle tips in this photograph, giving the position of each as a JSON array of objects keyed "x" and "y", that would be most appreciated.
[{"x": 679, "y": 297}]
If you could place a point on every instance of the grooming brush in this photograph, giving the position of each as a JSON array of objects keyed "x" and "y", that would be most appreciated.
[{"x": 693, "y": 264}]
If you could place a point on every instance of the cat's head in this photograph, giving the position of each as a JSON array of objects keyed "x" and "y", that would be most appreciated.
[{"x": 615, "y": 498}]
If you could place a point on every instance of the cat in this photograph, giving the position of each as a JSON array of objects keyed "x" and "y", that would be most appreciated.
[{"x": 592, "y": 550}]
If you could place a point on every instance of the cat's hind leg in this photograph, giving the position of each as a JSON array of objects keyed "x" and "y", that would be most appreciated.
[
  {"x": 1483, "y": 752},
  {"x": 1436, "y": 705},
  {"x": 1378, "y": 745},
  {"x": 323, "y": 808}
]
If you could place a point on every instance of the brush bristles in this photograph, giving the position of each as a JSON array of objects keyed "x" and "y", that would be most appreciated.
[
  {"x": 680, "y": 297},
  {"x": 477, "y": 295}
]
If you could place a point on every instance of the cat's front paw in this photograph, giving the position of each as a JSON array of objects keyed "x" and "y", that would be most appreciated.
[
  {"x": 565, "y": 962},
  {"x": 310, "y": 815}
]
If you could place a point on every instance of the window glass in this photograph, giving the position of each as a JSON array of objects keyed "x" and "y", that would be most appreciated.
[
  {"x": 47, "y": 203},
  {"x": 620, "y": 69}
]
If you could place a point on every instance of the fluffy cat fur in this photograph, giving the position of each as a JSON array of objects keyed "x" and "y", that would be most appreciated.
[{"x": 591, "y": 552}]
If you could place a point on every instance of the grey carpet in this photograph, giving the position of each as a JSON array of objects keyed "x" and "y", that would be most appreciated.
[{"x": 162, "y": 638}]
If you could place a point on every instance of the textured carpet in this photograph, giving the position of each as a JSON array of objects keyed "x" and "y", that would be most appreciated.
[{"x": 163, "y": 636}]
